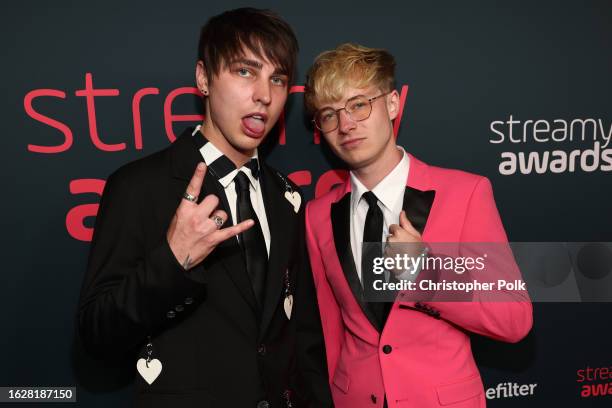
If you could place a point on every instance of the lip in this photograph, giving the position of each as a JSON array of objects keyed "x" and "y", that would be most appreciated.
[
  {"x": 253, "y": 132},
  {"x": 262, "y": 114},
  {"x": 350, "y": 143}
]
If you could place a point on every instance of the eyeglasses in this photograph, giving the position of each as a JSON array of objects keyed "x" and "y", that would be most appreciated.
[{"x": 358, "y": 108}]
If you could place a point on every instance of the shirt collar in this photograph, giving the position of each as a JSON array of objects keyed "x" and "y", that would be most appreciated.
[
  {"x": 223, "y": 168},
  {"x": 388, "y": 190}
]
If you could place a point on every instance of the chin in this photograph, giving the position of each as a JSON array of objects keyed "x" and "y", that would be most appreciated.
[
  {"x": 246, "y": 143},
  {"x": 354, "y": 158},
  {"x": 352, "y": 163}
]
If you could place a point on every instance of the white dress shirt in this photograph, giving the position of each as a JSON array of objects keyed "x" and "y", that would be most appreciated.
[
  {"x": 210, "y": 153},
  {"x": 390, "y": 194}
]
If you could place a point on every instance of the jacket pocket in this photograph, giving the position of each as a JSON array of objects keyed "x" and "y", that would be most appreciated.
[{"x": 460, "y": 391}]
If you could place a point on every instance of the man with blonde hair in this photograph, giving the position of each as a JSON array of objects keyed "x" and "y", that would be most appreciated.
[{"x": 404, "y": 353}]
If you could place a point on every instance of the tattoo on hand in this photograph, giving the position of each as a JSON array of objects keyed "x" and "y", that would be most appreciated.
[{"x": 187, "y": 262}]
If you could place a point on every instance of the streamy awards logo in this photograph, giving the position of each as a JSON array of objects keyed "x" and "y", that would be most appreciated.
[{"x": 552, "y": 146}]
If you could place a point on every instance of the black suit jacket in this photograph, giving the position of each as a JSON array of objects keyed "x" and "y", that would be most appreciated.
[{"x": 216, "y": 350}]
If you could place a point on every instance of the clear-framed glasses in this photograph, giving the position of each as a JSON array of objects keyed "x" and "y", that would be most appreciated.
[{"x": 358, "y": 108}]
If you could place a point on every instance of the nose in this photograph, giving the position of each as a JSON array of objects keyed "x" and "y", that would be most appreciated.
[
  {"x": 345, "y": 123},
  {"x": 262, "y": 92}
]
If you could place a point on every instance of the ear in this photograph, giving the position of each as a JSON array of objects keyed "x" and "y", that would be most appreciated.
[
  {"x": 201, "y": 77},
  {"x": 393, "y": 104}
]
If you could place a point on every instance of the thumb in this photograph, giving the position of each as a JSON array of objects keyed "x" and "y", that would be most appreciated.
[{"x": 405, "y": 224}]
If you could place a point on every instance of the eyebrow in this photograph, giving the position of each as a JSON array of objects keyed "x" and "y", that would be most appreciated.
[
  {"x": 249, "y": 62},
  {"x": 258, "y": 65}
]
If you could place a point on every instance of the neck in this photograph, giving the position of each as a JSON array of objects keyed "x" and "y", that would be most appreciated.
[
  {"x": 372, "y": 174},
  {"x": 214, "y": 136}
]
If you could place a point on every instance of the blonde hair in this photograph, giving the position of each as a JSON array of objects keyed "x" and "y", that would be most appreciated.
[{"x": 347, "y": 65}]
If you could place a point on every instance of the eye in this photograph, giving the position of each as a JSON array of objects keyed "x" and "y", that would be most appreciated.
[
  {"x": 279, "y": 81},
  {"x": 358, "y": 105},
  {"x": 327, "y": 116},
  {"x": 244, "y": 72}
]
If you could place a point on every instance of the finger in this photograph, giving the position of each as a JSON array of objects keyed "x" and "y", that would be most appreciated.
[
  {"x": 208, "y": 205},
  {"x": 405, "y": 223},
  {"x": 195, "y": 184},
  {"x": 390, "y": 248},
  {"x": 393, "y": 229},
  {"x": 220, "y": 215},
  {"x": 225, "y": 233}
]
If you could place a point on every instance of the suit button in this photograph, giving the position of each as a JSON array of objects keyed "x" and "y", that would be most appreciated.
[
  {"x": 179, "y": 308},
  {"x": 373, "y": 398},
  {"x": 188, "y": 301},
  {"x": 387, "y": 349},
  {"x": 263, "y": 404},
  {"x": 261, "y": 349},
  {"x": 170, "y": 314}
]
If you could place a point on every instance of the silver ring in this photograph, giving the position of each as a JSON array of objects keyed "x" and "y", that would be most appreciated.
[
  {"x": 189, "y": 197},
  {"x": 218, "y": 221}
]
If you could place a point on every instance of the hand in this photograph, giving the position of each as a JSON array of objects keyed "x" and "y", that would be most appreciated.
[
  {"x": 192, "y": 234},
  {"x": 404, "y": 233}
]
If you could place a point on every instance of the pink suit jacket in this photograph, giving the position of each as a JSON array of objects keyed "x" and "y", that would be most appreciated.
[{"x": 422, "y": 356}]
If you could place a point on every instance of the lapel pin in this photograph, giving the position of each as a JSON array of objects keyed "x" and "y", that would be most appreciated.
[
  {"x": 288, "y": 304},
  {"x": 293, "y": 197}
]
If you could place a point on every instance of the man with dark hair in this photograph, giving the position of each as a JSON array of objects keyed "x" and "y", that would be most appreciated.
[{"x": 197, "y": 264}]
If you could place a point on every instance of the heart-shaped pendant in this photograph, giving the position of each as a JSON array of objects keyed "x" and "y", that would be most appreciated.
[
  {"x": 149, "y": 371},
  {"x": 294, "y": 198},
  {"x": 288, "y": 306}
]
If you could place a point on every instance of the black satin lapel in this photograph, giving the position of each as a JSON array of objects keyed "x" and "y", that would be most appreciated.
[
  {"x": 417, "y": 205},
  {"x": 279, "y": 213},
  {"x": 340, "y": 217},
  {"x": 185, "y": 155}
]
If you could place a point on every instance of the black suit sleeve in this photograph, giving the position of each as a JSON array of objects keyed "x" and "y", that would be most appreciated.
[
  {"x": 312, "y": 366},
  {"x": 130, "y": 286}
]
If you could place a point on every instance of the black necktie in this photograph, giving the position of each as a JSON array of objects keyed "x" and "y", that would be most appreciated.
[
  {"x": 252, "y": 240},
  {"x": 372, "y": 232}
]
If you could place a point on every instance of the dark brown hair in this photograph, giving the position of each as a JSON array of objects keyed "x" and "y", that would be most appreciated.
[{"x": 225, "y": 37}]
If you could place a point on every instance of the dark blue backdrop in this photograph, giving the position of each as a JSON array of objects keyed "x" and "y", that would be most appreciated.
[{"x": 466, "y": 65}]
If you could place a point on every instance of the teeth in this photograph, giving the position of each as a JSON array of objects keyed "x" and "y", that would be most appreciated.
[{"x": 258, "y": 117}]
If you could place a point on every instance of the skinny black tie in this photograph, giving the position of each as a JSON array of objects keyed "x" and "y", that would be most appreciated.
[
  {"x": 252, "y": 240},
  {"x": 372, "y": 233}
]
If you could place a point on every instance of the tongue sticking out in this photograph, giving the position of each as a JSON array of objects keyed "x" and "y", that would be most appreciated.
[{"x": 253, "y": 124}]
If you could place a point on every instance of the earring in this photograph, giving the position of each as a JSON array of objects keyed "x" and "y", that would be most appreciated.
[{"x": 205, "y": 92}]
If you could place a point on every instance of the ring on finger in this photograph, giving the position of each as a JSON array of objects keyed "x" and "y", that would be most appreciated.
[
  {"x": 218, "y": 221},
  {"x": 190, "y": 197}
]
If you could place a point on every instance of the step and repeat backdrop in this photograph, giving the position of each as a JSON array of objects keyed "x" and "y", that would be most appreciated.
[{"x": 517, "y": 91}]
